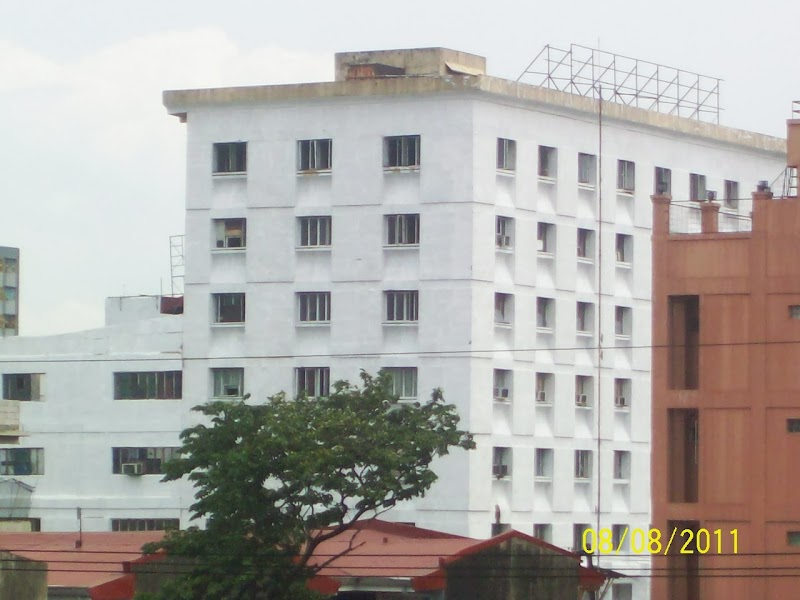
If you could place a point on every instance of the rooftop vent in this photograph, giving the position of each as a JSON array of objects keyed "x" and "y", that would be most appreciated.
[{"x": 763, "y": 186}]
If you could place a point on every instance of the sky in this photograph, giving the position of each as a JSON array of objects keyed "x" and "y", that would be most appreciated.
[{"x": 92, "y": 168}]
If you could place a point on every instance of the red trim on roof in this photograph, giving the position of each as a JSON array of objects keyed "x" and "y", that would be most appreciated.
[{"x": 122, "y": 588}]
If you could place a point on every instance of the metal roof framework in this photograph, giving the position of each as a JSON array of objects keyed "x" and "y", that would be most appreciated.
[{"x": 589, "y": 72}]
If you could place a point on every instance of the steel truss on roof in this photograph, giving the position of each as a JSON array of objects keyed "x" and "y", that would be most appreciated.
[{"x": 629, "y": 81}]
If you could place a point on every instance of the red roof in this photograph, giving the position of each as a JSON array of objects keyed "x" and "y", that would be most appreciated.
[{"x": 99, "y": 565}]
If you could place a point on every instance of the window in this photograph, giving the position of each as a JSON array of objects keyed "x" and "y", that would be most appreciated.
[
  {"x": 697, "y": 187},
  {"x": 228, "y": 383},
  {"x": 617, "y": 534},
  {"x": 622, "y": 321},
  {"x": 683, "y": 339},
  {"x": 506, "y": 154},
  {"x": 314, "y": 155},
  {"x": 624, "y": 247},
  {"x": 314, "y": 382},
  {"x": 545, "y": 309},
  {"x": 548, "y": 162},
  {"x": 583, "y": 464},
  {"x": 543, "y": 531},
  {"x": 583, "y": 390},
  {"x": 404, "y": 382},
  {"x": 141, "y": 461},
  {"x": 503, "y": 308},
  {"x": 8, "y": 265},
  {"x": 544, "y": 388},
  {"x": 587, "y": 169},
  {"x": 401, "y": 152},
  {"x": 314, "y": 307},
  {"x": 794, "y": 311},
  {"x": 622, "y": 465},
  {"x": 622, "y": 393},
  {"x": 683, "y": 451},
  {"x": 585, "y": 317},
  {"x": 402, "y": 306},
  {"x": 793, "y": 538},
  {"x": 23, "y": 386},
  {"x": 663, "y": 181},
  {"x": 793, "y": 425},
  {"x": 154, "y": 385},
  {"x": 230, "y": 233},
  {"x": 144, "y": 524},
  {"x": 502, "y": 384},
  {"x": 501, "y": 462},
  {"x": 402, "y": 230},
  {"x": 546, "y": 238},
  {"x": 581, "y": 541},
  {"x": 504, "y": 231},
  {"x": 586, "y": 244},
  {"x": 21, "y": 461},
  {"x": 731, "y": 194},
  {"x": 314, "y": 231},
  {"x": 626, "y": 176},
  {"x": 543, "y": 463},
  {"x": 228, "y": 308},
  {"x": 230, "y": 157}
]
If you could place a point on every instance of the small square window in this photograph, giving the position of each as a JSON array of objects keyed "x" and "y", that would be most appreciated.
[
  {"x": 697, "y": 187},
  {"x": 626, "y": 176},
  {"x": 314, "y": 155},
  {"x": 314, "y": 232},
  {"x": 401, "y": 152},
  {"x": 314, "y": 382},
  {"x": 548, "y": 162},
  {"x": 503, "y": 308},
  {"x": 586, "y": 244},
  {"x": 663, "y": 181},
  {"x": 229, "y": 233},
  {"x": 546, "y": 238},
  {"x": 228, "y": 383},
  {"x": 402, "y": 306},
  {"x": 587, "y": 169},
  {"x": 545, "y": 309},
  {"x": 402, "y": 230},
  {"x": 229, "y": 308},
  {"x": 230, "y": 157},
  {"x": 403, "y": 382},
  {"x": 794, "y": 311},
  {"x": 504, "y": 232},
  {"x": 506, "y": 154},
  {"x": 793, "y": 538},
  {"x": 314, "y": 307},
  {"x": 793, "y": 425}
]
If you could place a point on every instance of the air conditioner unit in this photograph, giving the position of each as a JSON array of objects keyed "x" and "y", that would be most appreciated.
[
  {"x": 501, "y": 393},
  {"x": 620, "y": 402},
  {"x": 541, "y": 397},
  {"x": 581, "y": 400},
  {"x": 135, "y": 468},
  {"x": 500, "y": 471}
]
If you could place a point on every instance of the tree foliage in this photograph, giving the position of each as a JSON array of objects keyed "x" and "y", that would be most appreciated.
[{"x": 274, "y": 480}]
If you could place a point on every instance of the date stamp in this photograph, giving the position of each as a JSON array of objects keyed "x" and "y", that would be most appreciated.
[{"x": 653, "y": 541}]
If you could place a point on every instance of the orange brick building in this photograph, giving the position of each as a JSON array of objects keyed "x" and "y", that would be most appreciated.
[{"x": 726, "y": 400}]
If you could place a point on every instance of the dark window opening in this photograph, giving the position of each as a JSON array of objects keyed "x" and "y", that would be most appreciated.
[
  {"x": 684, "y": 341},
  {"x": 683, "y": 448}
]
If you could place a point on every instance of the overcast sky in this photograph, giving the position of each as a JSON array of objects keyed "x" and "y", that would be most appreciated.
[{"x": 92, "y": 168}]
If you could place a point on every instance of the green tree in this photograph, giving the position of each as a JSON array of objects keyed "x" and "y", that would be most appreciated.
[{"x": 275, "y": 480}]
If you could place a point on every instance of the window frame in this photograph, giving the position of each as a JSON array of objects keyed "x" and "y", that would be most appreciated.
[
  {"x": 731, "y": 190},
  {"x": 222, "y": 379},
  {"x": 545, "y": 313},
  {"x": 544, "y": 383},
  {"x": 584, "y": 391},
  {"x": 622, "y": 465},
  {"x": 238, "y": 310},
  {"x": 223, "y": 239},
  {"x": 316, "y": 155},
  {"x": 503, "y": 309},
  {"x": 316, "y": 378},
  {"x": 584, "y": 318},
  {"x": 502, "y": 460},
  {"x": 545, "y": 238},
  {"x": 506, "y": 155},
  {"x": 583, "y": 464},
  {"x": 623, "y": 247},
  {"x": 313, "y": 304},
  {"x": 698, "y": 186},
  {"x": 157, "y": 381},
  {"x": 585, "y": 244},
  {"x": 623, "y": 321},
  {"x": 31, "y": 391},
  {"x": 502, "y": 385},
  {"x": 548, "y": 163},
  {"x": 543, "y": 464},
  {"x": 152, "y": 458},
  {"x": 401, "y": 306},
  {"x": 158, "y": 524},
  {"x": 402, "y": 229},
  {"x": 407, "y": 156},
  {"x": 318, "y": 227},
  {"x": 403, "y": 379},
  {"x": 626, "y": 176},
  {"x": 504, "y": 233},
  {"x": 234, "y": 161},
  {"x": 587, "y": 170},
  {"x": 662, "y": 176},
  {"x": 9, "y": 464}
]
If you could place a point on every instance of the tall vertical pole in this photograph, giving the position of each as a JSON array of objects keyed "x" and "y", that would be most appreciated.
[{"x": 598, "y": 403}]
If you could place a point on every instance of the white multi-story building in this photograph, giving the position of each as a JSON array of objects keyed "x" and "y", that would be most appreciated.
[{"x": 418, "y": 215}]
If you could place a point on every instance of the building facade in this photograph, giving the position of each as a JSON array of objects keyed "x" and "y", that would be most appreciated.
[
  {"x": 468, "y": 233},
  {"x": 9, "y": 291},
  {"x": 726, "y": 400}
]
